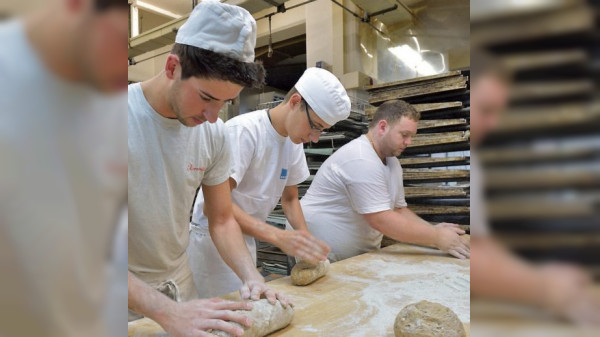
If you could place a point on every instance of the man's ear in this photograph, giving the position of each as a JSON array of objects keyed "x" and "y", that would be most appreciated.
[
  {"x": 295, "y": 99},
  {"x": 171, "y": 66},
  {"x": 382, "y": 126}
]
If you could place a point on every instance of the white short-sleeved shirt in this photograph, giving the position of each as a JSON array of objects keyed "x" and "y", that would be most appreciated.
[
  {"x": 63, "y": 183},
  {"x": 350, "y": 183},
  {"x": 263, "y": 164},
  {"x": 168, "y": 162},
  {"x": 479, "y": 221}
]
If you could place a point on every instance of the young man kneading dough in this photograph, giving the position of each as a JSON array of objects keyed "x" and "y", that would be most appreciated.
[
  {"x": 172, "y": 152},
  {"x": 268, "y": 163}
]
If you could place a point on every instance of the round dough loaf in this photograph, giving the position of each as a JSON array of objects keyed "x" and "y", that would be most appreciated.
[
  {"x": 427, "y": 319},
  {"x": 304, "y": 273},
  {"x": 266, "y": 318}
]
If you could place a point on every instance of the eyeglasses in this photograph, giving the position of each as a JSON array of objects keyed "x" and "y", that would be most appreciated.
[{"x": 313, "y": 127}]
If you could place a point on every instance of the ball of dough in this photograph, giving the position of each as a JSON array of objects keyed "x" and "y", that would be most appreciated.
[
  {"x": 426, "y": 319},
  {"x": 304, "y": 273},
  {"x": 266, "y": 318}
]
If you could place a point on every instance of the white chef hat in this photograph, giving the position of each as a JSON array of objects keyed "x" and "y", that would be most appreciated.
[
  {"x": 325, "y": 95},
  {"x": 221, "y": 28}
]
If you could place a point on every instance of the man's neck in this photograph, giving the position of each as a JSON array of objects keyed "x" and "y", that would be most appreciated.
[
  {"x": 278, "y": 115},
  {"x": 155, "y": 91},
  {"x": 374, "y": 143}
]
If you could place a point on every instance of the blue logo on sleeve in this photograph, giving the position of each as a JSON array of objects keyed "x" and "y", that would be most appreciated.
[{"x": 283, "y": 174}]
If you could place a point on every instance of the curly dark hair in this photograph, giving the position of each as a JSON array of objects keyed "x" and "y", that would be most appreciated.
[{"x": 198, "y": 62}]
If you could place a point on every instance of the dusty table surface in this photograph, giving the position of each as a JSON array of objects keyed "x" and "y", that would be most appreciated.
[
  {"x": 491, "y": 319},
  {"x": 361, "y": 296}
]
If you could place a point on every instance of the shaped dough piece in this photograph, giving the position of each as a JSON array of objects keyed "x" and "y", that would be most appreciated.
[
  {"x": 425, "y": 319},
  {"x": 266, "y": 318},
  {"x": 304, "y": 273}
]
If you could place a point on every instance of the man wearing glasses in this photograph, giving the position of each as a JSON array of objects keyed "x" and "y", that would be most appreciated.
[{"x": 268, "y": 163}]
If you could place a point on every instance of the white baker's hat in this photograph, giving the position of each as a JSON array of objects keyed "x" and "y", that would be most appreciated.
[
  {"x": 222, "y": 28},
  {"x": 325, "y": 95}
]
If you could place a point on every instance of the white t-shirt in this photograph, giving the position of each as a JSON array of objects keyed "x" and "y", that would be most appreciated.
[
  {"x": 263, "y": 164},
  {"x": 352, "y": 182},
  {"x": 168, "y": 162},
  {"x": 63, "y": 184},
  {"x": 479, "y": 221}
]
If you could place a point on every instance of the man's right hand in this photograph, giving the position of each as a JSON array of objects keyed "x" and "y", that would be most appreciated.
[
  {"x": 303, "y": 245},
  {"x": 568, "y": 292},
  {"x": 197, "y": 317},
  {"x": 450, "y": 241}
]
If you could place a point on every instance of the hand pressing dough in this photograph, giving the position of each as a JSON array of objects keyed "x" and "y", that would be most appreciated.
[
  {"x": 305, "y": 273},
  {"x": 266, "y": 318},
  {"x": 426, "y": 319}
]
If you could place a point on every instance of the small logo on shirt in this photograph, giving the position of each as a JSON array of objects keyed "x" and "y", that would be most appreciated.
[
  {"x": 192, "y": 168},
  {"x": 283, "y": 174}
]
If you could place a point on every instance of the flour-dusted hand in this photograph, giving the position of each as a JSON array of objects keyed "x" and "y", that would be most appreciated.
[
  {"x": 198, "y": 317},
  {"x": 449, "y": 240},
  {"x": 569, "y": 292},
  {"x": 303, "y": 245},
  {"x": 255, "y": 289}
]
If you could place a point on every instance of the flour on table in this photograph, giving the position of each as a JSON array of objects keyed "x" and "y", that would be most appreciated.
[{"x": 387, "y": 288}]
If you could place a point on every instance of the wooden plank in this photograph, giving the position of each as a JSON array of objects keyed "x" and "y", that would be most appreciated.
[
  {"x": 433, "y": 175},
  {"x": 361, "y": 296},
  {"x": 435, "y": 192},
  {"x": 432, "y": 78},
  {"x": 546, "y": 59},
  {"x": 549, "y": 241},
  {"x": 456, "y": 84},
  {"x": 420, "y": 85},
  {"x": 437, "y": 148},
  {"x": 528, "y": 155},
  {"x": 550, "y": 90},
  {"x": 424, "y": 108},
  {"x": 438, "y": 209},
  {"x": 426, "y": 162},
  {"x": 440, "y": 123},
  {"x": 578, "y": 19},
  {"x": 419, "y": 88},
  {"x": 440, "y": 138},
  {"x": 525, "y": 208},
  {"x": 520, "y": 179},
  {"x": 427, "y": 107},
  {"x": 563, "y": 115}
]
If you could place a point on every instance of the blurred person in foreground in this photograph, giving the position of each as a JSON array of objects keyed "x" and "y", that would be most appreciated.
[
  {"x": 177, "y": 144},
  {"x": 63, "y": 179},
  {"x": 563, "y": 290}
]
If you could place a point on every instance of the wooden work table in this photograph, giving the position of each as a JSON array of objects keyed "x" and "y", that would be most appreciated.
[
  {"x": 361, "y": 296},
  {"x": 491, "y": 319}
]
